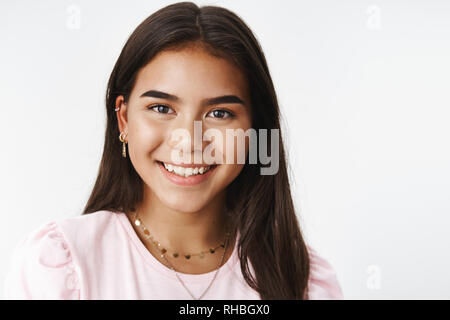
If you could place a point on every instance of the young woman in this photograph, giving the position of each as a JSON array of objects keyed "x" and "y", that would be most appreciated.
[{"x": 156, "y": 229}]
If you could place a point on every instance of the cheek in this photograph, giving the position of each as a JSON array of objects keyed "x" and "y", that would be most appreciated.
[
  {"x": 236, "y": 147},
  {"x": 143, "y": 138},
  {"x": 227, "y": 173}
]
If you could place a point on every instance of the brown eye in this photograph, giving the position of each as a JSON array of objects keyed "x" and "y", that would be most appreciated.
[
  {"x": 160, "y": 108},
  {"x": 222, "y": 114}
]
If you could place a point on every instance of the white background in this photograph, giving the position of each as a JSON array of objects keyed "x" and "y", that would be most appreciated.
[{"x": 364, "y": 93}]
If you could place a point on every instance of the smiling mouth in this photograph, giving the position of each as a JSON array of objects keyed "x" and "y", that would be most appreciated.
[{"x": 187, "y": 171}]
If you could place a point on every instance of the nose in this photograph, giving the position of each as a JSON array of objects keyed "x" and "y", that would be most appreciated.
[{"x": 186, "y": 138}]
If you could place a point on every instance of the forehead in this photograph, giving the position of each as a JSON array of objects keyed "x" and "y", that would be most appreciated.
[{"x": 191, "y": 71}]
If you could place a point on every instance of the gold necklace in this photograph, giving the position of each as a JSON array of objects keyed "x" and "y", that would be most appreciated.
[{"x": 138, "y": 222}]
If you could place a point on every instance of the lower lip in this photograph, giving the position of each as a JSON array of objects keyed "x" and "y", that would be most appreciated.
[{"x": 183, "y": 181}]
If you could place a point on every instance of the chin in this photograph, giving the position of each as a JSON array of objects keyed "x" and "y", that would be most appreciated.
[{"x": 184, "y": 202}]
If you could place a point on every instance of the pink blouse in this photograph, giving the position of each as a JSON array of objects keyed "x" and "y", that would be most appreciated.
[{"x": 100, "y": 256}]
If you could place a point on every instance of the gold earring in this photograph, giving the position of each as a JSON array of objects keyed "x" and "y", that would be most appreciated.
[{"x": 124, "y": 149}]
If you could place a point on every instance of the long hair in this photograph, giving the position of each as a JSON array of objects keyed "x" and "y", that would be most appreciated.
[{"x": 262, "y": 206}]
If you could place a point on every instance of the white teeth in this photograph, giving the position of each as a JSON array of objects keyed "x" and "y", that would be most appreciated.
[
  {"x": 177, "y": 170},
  {"x": 186, "y": 172}
]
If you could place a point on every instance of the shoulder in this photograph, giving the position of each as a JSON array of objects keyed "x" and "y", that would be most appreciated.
[
  {"x": 42, "y": 267},
  {"x": 44, "y": 263},
  {"x": 88, "y": 222},
  {"x": 323, "y": 282},
  {"x": 87, "y": 234}
]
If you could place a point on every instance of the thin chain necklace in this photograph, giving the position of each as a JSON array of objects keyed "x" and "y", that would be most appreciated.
[{"x": 138, "y": 222}]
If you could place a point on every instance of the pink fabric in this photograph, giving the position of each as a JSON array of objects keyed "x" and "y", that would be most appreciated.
[{"x": 99, "y": 256}]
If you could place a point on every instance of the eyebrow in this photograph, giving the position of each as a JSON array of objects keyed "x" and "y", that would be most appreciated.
[{"x": 206, "y": 102}]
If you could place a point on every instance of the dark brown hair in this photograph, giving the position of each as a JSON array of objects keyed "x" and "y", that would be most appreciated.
[{"x": 262, "y": 206}]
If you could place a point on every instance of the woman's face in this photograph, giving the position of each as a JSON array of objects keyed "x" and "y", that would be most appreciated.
[{"x": 193, "y": 77}]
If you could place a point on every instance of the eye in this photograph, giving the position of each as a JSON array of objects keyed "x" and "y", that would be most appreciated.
[
  {"x": 222, "y": 114},
  {"x": 160, "y": 108}
]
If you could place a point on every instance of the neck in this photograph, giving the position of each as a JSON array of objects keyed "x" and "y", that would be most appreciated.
[{"x": 185, "y": 231}]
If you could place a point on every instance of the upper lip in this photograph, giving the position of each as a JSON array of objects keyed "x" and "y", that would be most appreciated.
[{"x": 188, "y": 165}]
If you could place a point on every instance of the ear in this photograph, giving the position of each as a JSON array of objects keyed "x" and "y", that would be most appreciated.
[{"x": 122, "y": 118}]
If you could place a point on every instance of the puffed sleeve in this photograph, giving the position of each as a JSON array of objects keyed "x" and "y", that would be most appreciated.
[
  {"x": 42, "y": 267},
  {"x": 323, "y": 283}
]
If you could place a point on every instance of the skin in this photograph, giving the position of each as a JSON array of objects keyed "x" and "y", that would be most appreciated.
[{"x": 184, "y": 219}]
